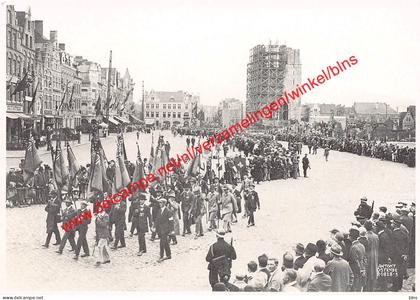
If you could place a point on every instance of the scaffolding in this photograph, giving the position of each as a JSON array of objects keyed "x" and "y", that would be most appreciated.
[{"x": 270, "y": 70}]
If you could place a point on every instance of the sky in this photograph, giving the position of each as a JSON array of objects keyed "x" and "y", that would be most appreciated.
[{"x": 203, "y": 46}]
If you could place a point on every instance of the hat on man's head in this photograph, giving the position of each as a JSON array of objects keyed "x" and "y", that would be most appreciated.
[
  {"x": 397, "y": 220},
  {"x": 354, "y": 232},
  {"x": 334, "y": 231},
  {"x": 363, "y": 199},
  {"x": 162, "y": 200},
  {"x": 300, "y": 248},
  {"x": 220, "y": 233},
  {"x": 196, "y": 189},
  {"x": 336, "y": 250},
  {"x": 142, "y": 196},
  {"x": 311, "y": 249},
  {"x": 68, "y": 200},
  {"x": 84, "y": 203}
]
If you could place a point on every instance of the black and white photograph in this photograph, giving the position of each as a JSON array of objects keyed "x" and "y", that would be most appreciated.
[{"x": 208, "y": 146}]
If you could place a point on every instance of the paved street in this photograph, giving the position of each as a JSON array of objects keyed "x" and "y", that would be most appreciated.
[{"x": 292, "y": 211}]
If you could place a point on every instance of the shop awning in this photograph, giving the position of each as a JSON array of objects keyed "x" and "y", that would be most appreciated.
[
  {"x": 150, "y": 121},
  {"x": 121, "y": 120},
  {"x": 113, "y": 121},
  {"x": 135, "y": 119},
  {"x": 49, "y": 116},
  {"x": 15, "y": 115}
]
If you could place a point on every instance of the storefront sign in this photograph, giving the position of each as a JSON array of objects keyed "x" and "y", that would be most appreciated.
[{"x": 14, "y": 107}]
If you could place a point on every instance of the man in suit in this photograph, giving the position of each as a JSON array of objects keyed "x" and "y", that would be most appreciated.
[
  {"x": 339, "y": 270},
  {"x": 253, "y": 202},
  {"x": 82, "y": 228},
  {"x": 385, "y": 248},
  {"x": 219, "y": 257},
  {"x": 68, "y": 214},
  {"x": 319, "y": 282},
  {"x": 164, "y": 226},
  {"x": 400, "y": 241},
  {"x": 53, "y": 210},
  {"x": 357, "y": 261},
  {"x": 118, "y": 218},
  {"x": 142, "y": 212},
  {"x": 305, "y": 164},
  {"x": 186, "y": 206},
  {"x": 364, "y": 210}
]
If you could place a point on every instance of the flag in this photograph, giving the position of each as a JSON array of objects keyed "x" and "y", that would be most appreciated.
[
  {"x": 32, "y": 104},
  {"x": 128, "y": 95},
  {"x": 60, "y": 170},
  {"x": 121, "y": 177},
  {"x": 74, "y": 167},
  {"x": 98, "y": 106},
  {"x": 194, "y": 167},
  {"x": 194, "y": 111},
  {"x": 21, "y": 84},
  {"x": 240, "y": 163},
  {"x": 70, "y": 106},
  {"x": 64, "y": 98},
  {"x": 152, "y": 156},
  {"x": 97, "y": 179},
  {"x": 139, "y": 169},
  {"x": 123, "y": 151},
  {"x": 32, "y": 160}
]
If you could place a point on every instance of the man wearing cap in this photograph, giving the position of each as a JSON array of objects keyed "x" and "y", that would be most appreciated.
[
  {"x": 219, "y": 257},
  {"x": 305, "y": 164},
  {"x": 82, "y": 229},
  {"x": 213, "y": 198},
  {"x": 133, "y": 219},
  {"x": 339, "y": 270},
  {"x": 227, "y": 207},
  {"x": 300, "y": 258},
  {"x": 198, "y": 210},
  {"x": 68, "y": 214},
  {"x": 53, "y": 210},
  {"x": 186, "y": 205},
  {"x": 155, "y": 195},
  {"x": 142, "y": 212},
  {"x": 400, "y": 241},
  {"x": 319, "y": 281},
  {"x": 118, "y": 216},
  {"x": 164, "y": 226},
  {"x": 364, "y": 211},
  {"x": 357, "y": 261},
  {"x": 173, "y": 206},
  {"x": 305, "y": 272},
  {"x": 252, "y": 201}
]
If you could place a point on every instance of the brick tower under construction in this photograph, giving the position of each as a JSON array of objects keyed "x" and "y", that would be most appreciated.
[{"x": 273, "y": 69}]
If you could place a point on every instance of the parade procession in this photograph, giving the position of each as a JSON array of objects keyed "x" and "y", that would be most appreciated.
[{"x": 165, "y": 177}]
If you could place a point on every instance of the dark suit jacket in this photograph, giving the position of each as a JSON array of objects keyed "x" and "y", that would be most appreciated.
[
  {"x": 400, "y": 241},
  {"x": 221, "y": 247},
  {"x": 320, "y": 283},
  {"x": 144, "y": 218},
  {"x": 385, "y": 246},
  {"x": 164, "y": 222}
]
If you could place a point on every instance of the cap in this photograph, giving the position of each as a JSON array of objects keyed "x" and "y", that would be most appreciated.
[
  {"x": 220, "y": 233},
  {"x": 334, "y": 231},
  {"x": 336, "y": 250},
  {"x": 364, "y": 199}
]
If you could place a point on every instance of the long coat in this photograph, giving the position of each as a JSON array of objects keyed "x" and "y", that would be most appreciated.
[
  {"x": 118, "y": 215},
  {"x": 320, "y": 283},
  {"x": 174, "y": 207},
  {"x": 143, "y": 217},
  {"x": 52, "y": 210},
  {"x": 164, "y": 222},
  {"x": 341, "y": 275},
  {"x": 385, "y": 246},
  {"x": 372, "y": 254}
]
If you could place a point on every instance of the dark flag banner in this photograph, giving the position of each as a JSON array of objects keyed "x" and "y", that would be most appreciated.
[
  {"x": 98, "y": 106},
  {"x": 32, "y": 160},
  {"x": 74, "y": 167},
  {"x": 31, "y": 106},
  {"x": 59, "y": 167},
  {"x": 21, "y": 85}
]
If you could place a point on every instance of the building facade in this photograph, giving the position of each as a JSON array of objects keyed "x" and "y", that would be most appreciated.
[
  {"x": 232, "y": 111},
  {"x": 20, "y": 68},
  {"x": 273, "y": 69},
  {"x": 169, "y": 108}
]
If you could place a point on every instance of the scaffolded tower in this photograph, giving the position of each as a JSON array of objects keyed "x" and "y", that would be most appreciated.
[{"x": 271, "y": 70}]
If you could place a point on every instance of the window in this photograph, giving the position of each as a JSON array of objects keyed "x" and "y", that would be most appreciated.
[
  {"x": 30, "y": 44},
  {"x": 153, "y": 106},
  {"x": 26, "y": 40},
  {"x": 157, "y": 114},
  {"x": 179, "y": 106},
  {"x": 152, "y": 114},
  {"x": 164, "y": 114},
  {"x": 186, "y": 106},
  {"x": 169, "y": 106},
  {"x": 174, "y": 115},
  {"x": 147, "y": 114},
  {"x": 14, "y": 41},
  {"x": 164, "y": 106},
  {"x": 147, "y": 106},
  {"x": 179, "y": 115},
  {"x": 157, "y": 105}
]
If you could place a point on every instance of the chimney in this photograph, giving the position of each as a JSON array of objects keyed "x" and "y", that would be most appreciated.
[
  {"x": 53, "y": 36},
  {"x": 39, "y": 27},
  {"x": 62, "y": 46}
]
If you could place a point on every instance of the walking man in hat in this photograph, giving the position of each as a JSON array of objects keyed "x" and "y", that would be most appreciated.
[
  {"x": 228, "y": 206},
  {"x": 82, "y": 228},
  {"x": 142, "y": 213},
  {"x": 68, "y": 214},
  {"x": 102, "y": 237},
  {"x": 164, "y": 226},
  {"x": 305, "y": 164},
  {"x": 53, "y": 210},
  {"x": 219, "y": 257},
  {"x": 253, "y": 202}
]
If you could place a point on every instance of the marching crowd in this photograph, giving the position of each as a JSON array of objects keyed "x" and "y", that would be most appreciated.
[{"x": 346, "y": 262}]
